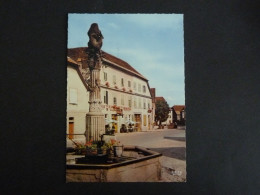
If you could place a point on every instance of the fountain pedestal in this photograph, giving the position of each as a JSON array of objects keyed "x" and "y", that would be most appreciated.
[
  {"x": 136, "y": 165},
  {"x": 95, "y": 126},
  {"x": 95, "y": 119}
]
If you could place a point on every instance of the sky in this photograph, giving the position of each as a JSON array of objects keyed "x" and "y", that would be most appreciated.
[{"x": 151, "y": 43}]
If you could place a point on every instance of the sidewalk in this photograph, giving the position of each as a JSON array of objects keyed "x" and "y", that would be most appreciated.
[{"x": 155, "y": 129}]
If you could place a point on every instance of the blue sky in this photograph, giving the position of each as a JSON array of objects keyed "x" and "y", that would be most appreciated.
[{"x": 152, "y": 43}]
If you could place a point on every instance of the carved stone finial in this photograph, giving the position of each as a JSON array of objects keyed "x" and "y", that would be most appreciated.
[{"x": 95, "y": 37}]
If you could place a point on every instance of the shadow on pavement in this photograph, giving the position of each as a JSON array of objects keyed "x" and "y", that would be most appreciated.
[
  {"x": 176, "y": 152},
  {"x": 176, "y": 138}
]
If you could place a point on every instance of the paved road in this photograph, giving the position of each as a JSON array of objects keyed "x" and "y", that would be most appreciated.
[{"x": 170, "y": 142}]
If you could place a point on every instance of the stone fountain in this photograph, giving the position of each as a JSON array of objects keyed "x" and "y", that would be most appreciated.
[
  {"x": 135, "y": 164},
  {"x": 95, "y": 118}
]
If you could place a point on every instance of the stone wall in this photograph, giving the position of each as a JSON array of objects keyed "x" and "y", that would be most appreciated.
[{"x": 145, "y": 171}]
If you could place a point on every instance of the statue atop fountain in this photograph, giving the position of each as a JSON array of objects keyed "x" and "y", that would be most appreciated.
[{"x": 95, "y": 119}]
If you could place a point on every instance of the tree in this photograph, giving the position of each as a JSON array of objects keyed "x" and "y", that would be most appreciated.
[{"x": 161, "y": 111}]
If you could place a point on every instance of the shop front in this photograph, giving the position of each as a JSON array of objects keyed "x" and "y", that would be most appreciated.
[
  {"x": 138, "y": 122},
  {"x": 115, "y": 124}
]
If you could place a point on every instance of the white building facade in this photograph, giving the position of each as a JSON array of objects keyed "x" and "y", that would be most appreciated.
[
  {"x": 77, "y": 101},
  {"x": 169, "y": 119},
  {"x": 125, "y": 92}
]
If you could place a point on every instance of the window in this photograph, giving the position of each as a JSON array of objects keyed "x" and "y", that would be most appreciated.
[
  {"x": 134, "y": 85},
  {"x": 122, "y": 82},
  {"x": 114, "y": 79},
  {"x": 144, "y": 89},
  {"x": 129, "y": 83},
  {"x": 114, "y": 100},
  {"x": 130, "y": 101},
  {"x": 105, "y": 76},
  {"x": 134, "y": 102},
  {"x": 122, "y": 99},
  {"x": 73, "y": 96},
  {"x": 106, "y": 97},
  {"x": 139, "y": 103},
  {"x": 144, "y": 119},
  {"x": 144, "y": 104},
  {"x": 139, "y": 87}
]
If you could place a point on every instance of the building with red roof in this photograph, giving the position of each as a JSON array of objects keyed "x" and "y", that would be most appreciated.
[
  {"x": 179, "y": 114},
  {"x": 125, "y": 92}
]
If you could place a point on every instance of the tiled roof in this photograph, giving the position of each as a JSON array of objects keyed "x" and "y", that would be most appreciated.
[
  {"x": 178, "y": 107},
  {"x": 71, "y": 60},
  {"x": 76, "y": 66},
  {"x": 79, "y": 54},
  {"x": 152, "y": 90},
  {"x": 159, "y": 99}
]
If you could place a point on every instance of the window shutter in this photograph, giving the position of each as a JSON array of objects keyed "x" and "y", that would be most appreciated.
[{"x": 107, "y": 97}]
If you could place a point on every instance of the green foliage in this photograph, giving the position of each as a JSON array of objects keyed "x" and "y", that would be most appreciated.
[{"x": 161, "y": 111}]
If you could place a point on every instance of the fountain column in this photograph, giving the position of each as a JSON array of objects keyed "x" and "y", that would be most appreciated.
[{"x": 95, "y": 119}]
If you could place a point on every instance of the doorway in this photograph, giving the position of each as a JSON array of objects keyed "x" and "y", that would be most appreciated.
[
  {"x": 114, "y": 117},
  {"x": 71, "y": 130},
  {"x": 149, "y": 122},
  {"x": 138, "y": 122}
]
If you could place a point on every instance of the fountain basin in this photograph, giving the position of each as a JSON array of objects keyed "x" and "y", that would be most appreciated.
[{"x": 137, "y": 164}]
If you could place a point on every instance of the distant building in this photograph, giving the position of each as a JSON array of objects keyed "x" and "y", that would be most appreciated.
[
  {"x": 159, "y": 99},
  {"x": 179, "y": 114},
  {"x": 125, "y": 92},
  {"x": 153, "y": 93},
  {"x": 169, "y": 120}
]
